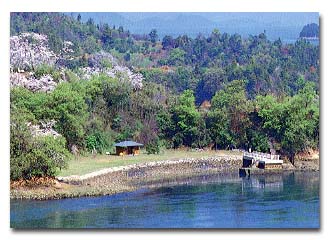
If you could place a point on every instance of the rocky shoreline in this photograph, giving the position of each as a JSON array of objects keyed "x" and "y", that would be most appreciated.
[{"x": 132, "y": 177}]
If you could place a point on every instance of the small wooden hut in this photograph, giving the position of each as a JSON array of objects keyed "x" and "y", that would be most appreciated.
[{"x": 128, "y": 148}]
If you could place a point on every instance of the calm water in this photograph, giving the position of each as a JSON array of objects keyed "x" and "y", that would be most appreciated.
[{"x": 223, "y": 201}]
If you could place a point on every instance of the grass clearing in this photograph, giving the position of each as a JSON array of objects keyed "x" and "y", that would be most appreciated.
[{"x": 86, "y": 164}]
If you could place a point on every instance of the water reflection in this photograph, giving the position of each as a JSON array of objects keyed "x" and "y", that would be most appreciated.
[
  {"x": 220, "y": 201},
  {"x": 264, "y": 182}
]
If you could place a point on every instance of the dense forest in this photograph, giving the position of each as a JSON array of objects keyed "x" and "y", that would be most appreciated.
[{"x": 93, "y": 84}]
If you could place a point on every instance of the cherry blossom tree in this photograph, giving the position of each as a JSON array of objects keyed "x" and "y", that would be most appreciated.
[
  {"x": 28, "y": 50},
  {"x": 97, "y": 66}
]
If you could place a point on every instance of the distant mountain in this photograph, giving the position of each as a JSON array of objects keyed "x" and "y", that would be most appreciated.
[
  {"x": 286, "y": 26},
  {"x": 182, "y": 24}
]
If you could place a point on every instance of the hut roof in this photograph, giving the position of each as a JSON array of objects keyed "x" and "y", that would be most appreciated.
[{"x": 128, "y": 144}]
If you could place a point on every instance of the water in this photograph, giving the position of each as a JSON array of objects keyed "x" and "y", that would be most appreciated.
[{"x": 289, "y": 200}]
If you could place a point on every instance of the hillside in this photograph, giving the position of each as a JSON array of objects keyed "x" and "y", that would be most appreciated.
[
  {"x": 95, "y": 84},
  {"x": 310, "y": 31}
]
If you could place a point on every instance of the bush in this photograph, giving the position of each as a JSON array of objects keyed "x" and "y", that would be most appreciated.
[
  {"x": 43, "y": 158},
  {"x": 47, "y": 156},
  {"x": 45, "y": 69},
  {"x": 34, "y": 156},
  {"x": 153, "y": 147},
  {"x": 99, "y": 141}
]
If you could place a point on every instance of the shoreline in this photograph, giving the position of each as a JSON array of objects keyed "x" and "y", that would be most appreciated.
[{"x": 132, "y": 177}]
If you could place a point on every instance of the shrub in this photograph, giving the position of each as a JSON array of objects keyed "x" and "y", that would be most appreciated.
[
  {"x": 47, "y": 156},
  {"x": 34, "y": 156},
  {"x": 99, "y": 141},
  {"x": 43, "y": 158},
  {"x": 45, "y": 69},
  {"x": 153, "y": 147}
]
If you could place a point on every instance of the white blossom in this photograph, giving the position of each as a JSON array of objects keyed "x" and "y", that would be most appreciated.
[
  {"x": 45, "y": 83},
  {"x": 29, "y": 50},
  {"x": 43, "y": 129},
  {"x": 67, "y": 50},
  {"x": 96, "y": 67}
]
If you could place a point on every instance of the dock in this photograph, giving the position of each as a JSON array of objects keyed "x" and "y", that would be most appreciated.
[{"x": 257, "y": 162}]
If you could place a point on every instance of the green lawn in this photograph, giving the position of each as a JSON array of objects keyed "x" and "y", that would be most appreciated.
[{"x": 87, "y": 164}]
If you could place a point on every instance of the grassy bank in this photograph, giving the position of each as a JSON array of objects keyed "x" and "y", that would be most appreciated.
[
  {"x": 86, "y": 164},
  {"x": 128, "y": 178},
  {"x": 150, "y": 170}
]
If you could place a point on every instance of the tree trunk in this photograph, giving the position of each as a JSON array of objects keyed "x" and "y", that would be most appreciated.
[{"x": 292, "y": 158}]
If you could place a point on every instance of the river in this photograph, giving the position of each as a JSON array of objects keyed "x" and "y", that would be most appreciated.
[{"x": 287, "y": 200}]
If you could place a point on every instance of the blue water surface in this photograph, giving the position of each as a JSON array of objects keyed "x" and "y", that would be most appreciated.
[{"x": 288, "y": 200}]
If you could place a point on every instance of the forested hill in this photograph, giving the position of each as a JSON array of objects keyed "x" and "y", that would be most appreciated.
[
  {"x": 310, "y": 31},
  {"x": 94, "y": 84},
  {"x": 202, "y": 64}
]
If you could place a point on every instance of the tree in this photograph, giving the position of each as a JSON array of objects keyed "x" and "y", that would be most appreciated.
[
  {"x": 212, "y": 80},
  {"x": 79, "y": 18},
  {"x": 231, "y": 108},
  {"x": 218, "y": 123},
  {"x": 33, "y": 156},
  {"x": 186, "y": 119},
  {"x": 301, "y": 126},
  {"x": 153, "y": 36},
  {"x": 272, "y": 115},
  {"x": 293, "y": 122},
  {"x": 69, "y": 110},
  {"x": 176, "y": 57},
  {"x": 168, "y": 42}
]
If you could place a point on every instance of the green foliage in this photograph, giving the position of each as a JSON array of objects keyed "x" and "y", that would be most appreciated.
[
  {"x": 302, "y": 122},
  {"x": 212, "y": 80},
  {"x": 153, "y": 147},
  {"x": 259, "y": 141},
  {"x": 176, "y": 57},
  {"x": 231, "y": 108},
  {"x": 68, "y": 108},
  {"x": 185, "y": 118},
  {"x": 47, "y": 156},
  {"x": 91, "y": 142},
  {"x": 34, "y": 156},
  {"x": 106, "y": 63},
  {"x": 66, "y": 105},
  {"x": 271, "y": 111},
  {"x": 219, "y": 124},
  {"x": 99, "y": 141},
  {"x": 275, "y": 100},
  {"x": 293, "y": 122},
  {"x": 35, "y": 105},
  {"x": 44, "y": 69}
]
